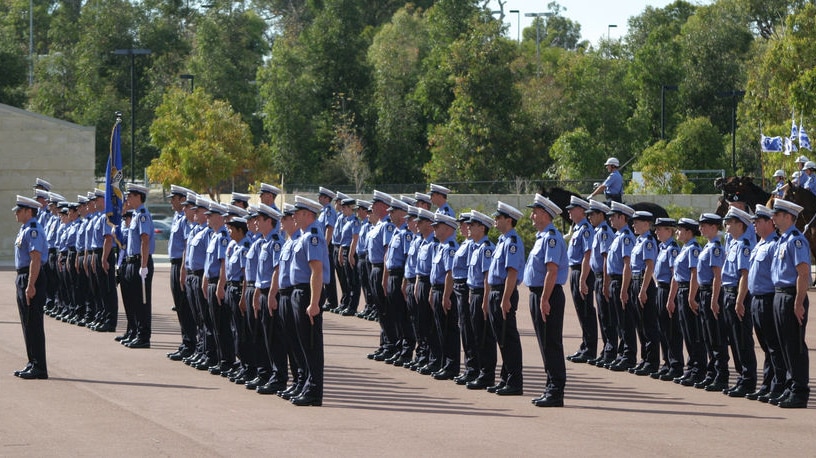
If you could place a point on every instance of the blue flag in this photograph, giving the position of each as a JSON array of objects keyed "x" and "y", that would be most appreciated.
[
  {"x": 789, "y": 146},
  {"x": 794, "y": 130},
  {"x": 804, "y": 140},
  {"x": 771, "y": 144},
  {"x": 114, "y": 197}
]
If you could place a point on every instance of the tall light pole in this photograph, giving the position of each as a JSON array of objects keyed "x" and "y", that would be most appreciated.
[
  {"x": 609, "y": 38},
  {"x": 663, "y": 90},
  {"x": 537, "y": 19},
  {"x": 735, "y": 94},
  {"x": 518, "y": 24},
  {"x": 30, "y": 42},
  {"x": 187, "y": 76},
  {"x": 132, "y": 52}
]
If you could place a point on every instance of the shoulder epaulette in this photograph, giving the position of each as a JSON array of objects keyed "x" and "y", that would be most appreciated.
[
  {"x": 451, "y": 243},
  {"x": 551, "y": 231},
  {"x": 314, "y": 230},
  {"x": 514, "y": 239},
  {"x": 795, "y": 233},
  {"x": 33, "y": 224},
  {"x": 246, "y": 244},
  {"x": 142, "y": 210},
  {"x": 277, "y": 236}
]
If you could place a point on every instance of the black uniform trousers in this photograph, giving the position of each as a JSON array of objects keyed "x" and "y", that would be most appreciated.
[
  {"x": 447, "y": 328},
  {"x": 462, "y": 293},
  {"x": 66, "y": 285},
  {"x": 425, "y": 323},
  {"x": 342, "y": 280},
  {"x": 404, "y": 338},
  {"x": 625, "y": 333},
  {"x": 183, "y": 310},
  {"x": 607, "y": 320},
  {"x": 363, "y": 273},
  {"x": 330, "y": 288},
  {"x": 644, "y": 317},
  {"x": 141, "y": 305},
  {"x": 411, "y": 313},
  {"x": 252, "y": 353},
  {"x": 31, "y": 318},
  {"x": 96, "y": 303},
  {"x": 550, "y": 335},
  {"x": 690, "y": 326},
  {"x": 220, "y": 317},
  {"x": 297, "y": 359},
  {"x": 82, "y": 288},
  {"x": 715, "y": 335},
  {"x": 198, "y": 303},
  {"x": 274, "y": 340},
  {"x": 792, "y": 337},
  {"x": 109, "y": 315},
  {"x": 51, "y": 279},
  {"x": 773, "y": 367},
  {"x": 310, "y": 341},
  {"x": 484, "y": 342},
  {"x": 740, "y": 338},
  {"x": 388, "y": 333},
  {"x": 505, "y": 330},
  {"x": 585, "y": 309},
  {"x": 352, "y": 275},
  {"x": 238, "y": 322},
  {"x": 671, "y": 337}
]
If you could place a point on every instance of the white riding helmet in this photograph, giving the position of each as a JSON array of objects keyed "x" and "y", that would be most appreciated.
[
  {"x": 779, "y": 173},
  {"x": 613, "y": 161},
  {"x": 801, "y": 160},
  {"x": 810, "y": 165}
]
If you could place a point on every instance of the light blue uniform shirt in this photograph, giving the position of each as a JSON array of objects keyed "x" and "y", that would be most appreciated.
[
  {"x": 412, "y": 256},
  {"x": 481, "y": 254},
  {"x": 285, "y": 269},
  {"x": 327, "y": 218},
  {"x": 614, "y": 183},
  {"x": 792, "y": 249},
  {"x": 446, "y": 209},
  {"x": 398, "y": 248},
  {"x": 686, "y": 260},
  {"x": 549, "y": 247},
  {"x": 251, "y": 265},
  {"x": 142, "y": 223},
  {"x": 425, "y": 256},
  {"x": 178, "y": 236},
  {"x": 443, "y": 260},
  {"x": 378, "y": 238},
  {"x": 362, "y": 239},
  {"x": 665, "y": 260},
  {"x": 759, "y": 269},
  {"x": 645, "y": 249},
  {"x": 236, "y": 259},
  {"x": 737, "y": 259},
  {"x": 580, "y": 243},
  {"x": 268, "y": 259},
  {"x": 197, "y": 247},
  {"x": 620, "y": 248},
  {"x": 216, "y": 251},
  {"x": 349, "y": 228},
  {"x": 311, "y": 246},
  {"x": 30, "y": 237},
  {"x": 711, "y": 256},
  {"x": 600, "y": 246},
  {"x": 461, "y": 259},
  {"x": 509, "y": 253}
]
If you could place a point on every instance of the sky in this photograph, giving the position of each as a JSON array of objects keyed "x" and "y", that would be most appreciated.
[{"x": 594, "y": 16}]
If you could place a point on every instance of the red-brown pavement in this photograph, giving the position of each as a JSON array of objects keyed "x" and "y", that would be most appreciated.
[{"x": 103, "y": 399}]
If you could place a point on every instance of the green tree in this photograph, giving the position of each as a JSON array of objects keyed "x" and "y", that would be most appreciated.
[
  {"x": 575, "y": 156},
  {"x": 660, "y": 169},
  {"x": 203, "y": 142}
]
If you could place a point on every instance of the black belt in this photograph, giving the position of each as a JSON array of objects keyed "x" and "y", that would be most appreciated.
[
  {"x": 497, "y": 286},
  {"x": 396, "y": 272},
  {"x": 425, "y": 278},
  {"x": 72, "y": 250},
  {"x": 286, "y": 291},
  {"x": 704, "y": 288},
  {"x": 476, "y": 290},
  {"x": 378, "y": 265},
  {"x": 362, "y": 255},
  {"x": 303, "y": 286},
  {"x": 175, "y": 262},
  {"x": 212, "y": 280},
  {"x": 764, "y": 295},
  {"x": 263, "y": 290},
  {"x": 235, "y": 283},
  {"x": 52, "y": 250},
  {"x": 575, "y": 267},
  {"x": 786, "y": 289},
  {"x": 197, "y": 273},
  {"x": 438, "y": 287},
  {"x": 663, "y": 284},
  {"x": 97, "y": 251},
  {"x": 730, "y": 289},
  {"x": 134, "y": 258},
  {"x": 22, "y": 270},
  {"x": 637, "y": 277},
  {"x": 683, "y": 284},
  {"x": 537, "y": 290},
  {"x": 616, "y": 277},
  {"x": 460, "y": 282}
]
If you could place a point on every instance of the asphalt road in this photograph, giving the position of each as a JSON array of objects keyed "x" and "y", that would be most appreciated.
[{"x": 103, "y": 399}]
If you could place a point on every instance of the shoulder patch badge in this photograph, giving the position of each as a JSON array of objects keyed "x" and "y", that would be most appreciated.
[
  {"x": 695, "y": 252},
  {"x": 34, "y": 234},
  {"x": 716, "y": 252},
  {"x": 551, "y": 243},
  {"x": 488, "y": 253},
  {"x": 649, "y": 246},
  {"x": 626, "y": 241},
  {"x": 389, "y": 228},
  {"x": 313, "y": 240},
  {"x": 798, "y": 243},
  {"x": 586, "y": 234},
  {"x": 746, "y": 252},
  {"x": 513, "y": 249},
  {"x": 143, "y": 218},
  {"x": 674, "y": 252}
]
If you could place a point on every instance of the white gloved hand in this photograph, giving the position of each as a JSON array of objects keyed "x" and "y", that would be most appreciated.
[{"x": 143, "y": 272}]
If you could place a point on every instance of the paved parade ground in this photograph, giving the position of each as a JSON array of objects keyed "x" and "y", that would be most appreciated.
[{"x": 103, "y": 399}]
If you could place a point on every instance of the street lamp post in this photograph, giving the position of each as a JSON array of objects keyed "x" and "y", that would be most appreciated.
[
  {"x": 187, "y": 76},
  {"x": 132, "y": 52},
  {"x": 609, "y": 38},
  {"x": 735, "y": 94},
  {"x": 537, "y": 19},
  {"x": 518, "y": 24},
  {"x": 663, "y": 90}
]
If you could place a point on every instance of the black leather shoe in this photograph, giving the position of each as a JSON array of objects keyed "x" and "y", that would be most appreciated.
[
  {"x": 374, "y": 354},
  {"x": 33, "y": 374},
  {"x": 704, "y": 383},
  {"x": 25, "y": 369},
  {"x": 670, "y": 376},
  {"x": 766, "y": 398},
  {"x": 644, "y": 370},
  {"x": 638, "y": 367},
  {"x": 740, "y": 391},
  {"x": 793, "y": 402},
  {"x": 756, "y": 394},
  {"x": 306, "y": 400},
  {"x": 662, "y": 371},
  {"x": 775, "y": 401},
  {"x": 463, "y": 379},
  {"x": 622, "y": 366},
  {"x": 574, "y": 355},
  {"x": 496, "y": 387},
  {"x": 549, "y": 401},
  {"x": 348, "y": 312},
  {"x": 174, "y": 355},
  {"x": 383, "y": 356},
  {"x": 479, "y": 384},
  {"x": 510, "y": 391},
  {"x": 394, "y": 358},
  {"x": 255, "y": 383},
  {"x": 138, "y": 343},
  {"x": 293, "y": 392},
  {"x": 692, "y": 381},
  {"x": 717, "y": 386},
  {"x": 122, "y": 337},
  {"x": 271, "y": 388},
  {"x": 580, "y": 359},
  {"x": 444, "y": 375},
  {"x": 428, "y": 369}
]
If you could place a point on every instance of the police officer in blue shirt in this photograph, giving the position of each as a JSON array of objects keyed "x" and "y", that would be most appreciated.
[
  {"x": 582, "y": 280},
  {"x": 612, "y": 187},
  {"x": 396, "y": 307},
  {"x": 30, "y": 253},
  {"x": 214, "y": 285},
  {"x": 234, "y": 271},
  {"x": 781, "y": 185},
  {"x": 49, "y": 223},
  {"x": 255, "y": 357},
  {"x": 82, "y": 279},
  {"x": 425, "y": 330},
  {"x": 349, "y": 238},
  {"x": 505, "y": 273},
  {"x": 617, "y": 260},
  {"x": 790, "y": 273},
  {"x": 439, "y": 197},
  {"x": 462, "y": 292},
  {"x": 327, "y": 219},
  {"x": 607, "y": 317},
  {"x": 545, "y": 274},
  {"x": 194, "y": 257},
  {"x": 309, "y": 272},
  {"x": 378, "y": 239},
  {"x": 360, "y": 261},
  {"x": 642, "y": 293},
  {"x": 761, "y": 288},
  {"x": 809, "y": 172},
  {"x": 176, "y": 245},
  {"x": 267, "y": 195},
  {"x": 709, "y": 278},
  {"x": 671, "y": 337},
  {"x": 683, "y": 290},
  {"x": 484, "y": 342},
  {"x": 737, "y": 301},
  {"x": 443, "y": 300},
  {"x": 139, "y": 268}
]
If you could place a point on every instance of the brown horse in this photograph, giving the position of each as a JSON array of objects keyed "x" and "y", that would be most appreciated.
[
  {"x": 739, "y": 188},
  {"x": 561, "y": 197},
  {"x": 806, "y": 222}
]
